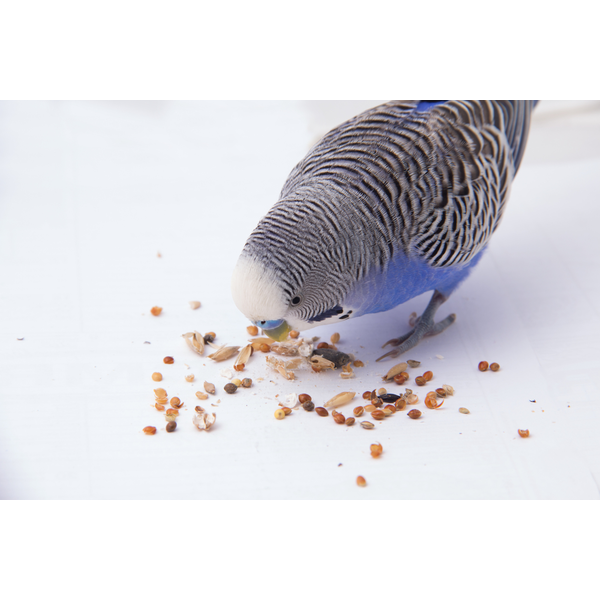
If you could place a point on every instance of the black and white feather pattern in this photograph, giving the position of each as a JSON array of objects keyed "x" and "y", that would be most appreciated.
[{"x": 395, "y": 178}]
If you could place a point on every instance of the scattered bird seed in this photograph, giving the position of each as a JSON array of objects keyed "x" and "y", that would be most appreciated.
[
  {"x": 149, "y": 430},
  {"x": 246, "y": 382},
  {"x": 339, "y": 359},
  {"x": 381, "y": 392},
  {"x": 201, "y": 396},
  {"x": 339, "y": 418},
  {"x": 350, "y": 421},
  {"x": 195, "y": 341},
  {"x": 494, "y": 367},
  {"x": 322, "y": 345},
  {"x": 291, "y": 400},
  {"x": 432, "y": 402},
  {"x": 449, "y": 389},
  {"x": 171, "y": 426},
  {"x": 366, "y": 395},
  {"x": 413, "y": 364},
  {"x": 308, "y": 406},
  {"x": 252, "y": 330},
  {"x": 361, "y": 481},
  {"x": 358, "y": 411},
  {"x": 159, "y": 406},
  {"x": 464, "y": 411},
  {"x": 209, "y": 338},
  {"x": 322, "y": 412},
  {"x": 376, "y": 450},
  {"x": 358, "y": 364},
  {"x": 194, "y": 304},
  {"x": 209, "y": 387},
  {"x": 176, "y": 402},
  {"x": 156, "y": 310},
  {"x": 168, "y": 360},
  {"x": 230, "y": 388},
  {"x": 377, "y": 402},
  {"x": 428, "y": 376},
  {"x": 335, "y": 338},
  {"x": 160, "y": 393},
  {"x": 223, "y": 353},
  {"x": 412, "y": 399},
  {"x": 243, "y": 357},
  {"x": 199, "y": 409},
  {"x": 367, "y": 425},
  {"x": 294, "y": 334},
  {"x": 483, "y": 366},
  {"x": 390, "y": 407},
  {"x": 304, "y": 398},
  {"x": 369, "y": 408},
  {"x": 414, "y": 413},
  {"x": 387, "y": 411},
  {"x": 190, "y": 377},
  {"x": 524, "y": 433},
  {"x": 441, "y": 392},
  {"x": 279, "y": 414},
  {"x": 400, "y": 404},
  {"x": 401, "y": 378},
  {"x": 378, "y": 415},
  {"x": 236, "y": 382},
  {"x": 287, "y": 411},
  {"x": 156, "y": 377},
  {"x": 420, "y": 381}
]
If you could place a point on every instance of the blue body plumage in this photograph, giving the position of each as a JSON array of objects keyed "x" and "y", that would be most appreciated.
[{"x": 400, "y": 200}]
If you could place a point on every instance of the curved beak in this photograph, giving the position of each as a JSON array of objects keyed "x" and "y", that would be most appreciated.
[{"x": 278, "y": 333}]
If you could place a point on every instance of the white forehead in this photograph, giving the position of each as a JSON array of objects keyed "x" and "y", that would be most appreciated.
[{"x": 256, "y": 291}]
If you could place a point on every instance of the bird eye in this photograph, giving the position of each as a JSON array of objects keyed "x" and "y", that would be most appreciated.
[
  {"x": 263, "y": 322},
  {"x": 296, "y": 300}
]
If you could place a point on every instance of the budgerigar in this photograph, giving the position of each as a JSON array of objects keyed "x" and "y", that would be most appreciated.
[{"x": 400, "y": 200}]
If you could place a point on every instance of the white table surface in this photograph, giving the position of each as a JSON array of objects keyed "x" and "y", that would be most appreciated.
[{"x": 90, "y": 192}]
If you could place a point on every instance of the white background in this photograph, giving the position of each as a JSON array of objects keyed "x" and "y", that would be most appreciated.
[{"x": 90, "y": 192}]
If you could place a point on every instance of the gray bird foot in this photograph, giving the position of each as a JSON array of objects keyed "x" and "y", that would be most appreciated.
[{"x": 425, "y": 327}]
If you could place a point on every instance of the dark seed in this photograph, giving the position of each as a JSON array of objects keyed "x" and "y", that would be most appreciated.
[
  {"x": 389, "y": 398},
  {"x": 231, "y": 388},
  {"x": 350, "y": 421},
  {"x": 322, "y": 345},
  {"x": 208, "y": 338},
  {"x": 414, "y": 413},
  {"x": 308, "y": 405},
  {"x": 339, "y": 359},
  {"x": 413, "y": 364},
  {"x": 247, "y": 382},
  {"x": 322, "y": 412},
  {"x": 420, "y": 381},
  {"x": 171, "y": 426}
]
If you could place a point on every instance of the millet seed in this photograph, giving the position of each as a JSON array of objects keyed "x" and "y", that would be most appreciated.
[
  {"x": 230, "y": 388},
  {"x": 247, "y": 382},
  {"x": 265, "y": 348},
  {"x": 252, "y": 330},
  {"x": 236, "y": 382},
  {"x": 176, "y": 402},
  {"x": 168, "y": 360},
  {"x": 464, "y": 411},
  {"x": 302, "y": 398},
  {"x": 494, "y": 367},
  {"x": 483, "y": 366},
  {"x": 428, "y": 376},
  {"x": 190, "y": 377},
  {"x": 420, "y": 381},
  {"x": 149, "y": 430},
  {"x": 156, "y": 310},
  {"x": 414, "y": 413},
  {"x": 322, "y": 412},
  {"x": 339, "y": 419},
  {"x": 524, "y": 433},
  {"x": 350, "y": 421},
  {"x": 335, "y": 338},
  {"x": 361, "y": 481},
  {"x": 359, "y": 363},
  {"x": 358, "y": 411},
  {"x": 171, "y": 426},
  {"x": 294, "y": 334},
  {"x": 367, "y": 425},
  {"x": 156, "y": 377},
  {"x": 159, "y": 406},
  {"x": 378, "y": 415}
]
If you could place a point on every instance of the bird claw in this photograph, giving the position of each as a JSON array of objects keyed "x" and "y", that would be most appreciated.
[
  {"x": 394, "y": 342},
  {"x": 390, "y": 354}
]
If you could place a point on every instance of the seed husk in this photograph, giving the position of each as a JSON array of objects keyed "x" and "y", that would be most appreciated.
[
  {"x": 413, "y": 364},
  {"x": 366, "y": 395},
  {"x": 381, "y": 392},
  {"x": 494, "y": 367},
  {"x": 428, "y": 376},
  {"x": 149, "y": 430},
  {"x": 369, "y": 408},
  {"x": 395, "y": 370},
  {"x": 414, "y": 413},
  {"x": 201, "y": 395},
  {"x": 340, "y": 419},
  {"x": 377, "y": 402},
  {"x": 376, "y": 450},
  {"x": 243, "y": 357},
  {"x": 387, "y": 411},
  {"x": 168, "y": 360},
  {"x": 308, "y": 406},
  {"x": 194, "y": 304},
  {"x": 322, "y": 412},
  {"x": 204, "y": 420},
  {"x": 172, "y": 412},
  {"x": 302, "y": 398},
  {"x": 252, "y": 330},
  {"x": 350, "y": 421},
  {"x": 347, "y": 372},
  {"x": 195, "y": 341},
  {"x": 230, "y": 388},
  {"x": 432, "y": 402},
  {"x": 464, "y": 411},
  {"x": 223, "y": 353},
  {"x": 294, "y": 334},
  {"x": 176, "y": 402},
  {"x": 209, "y": 387},
  {"x": 441, "y": 392},
  {"x": 483, "y": 365},
  {"x": 199, "y": 409},
  {"x": 159, "y": 406},
  {"x": 358, "y": 411},
  {"x": 171, "y": 426},
  {"x": 361, "y": 481},
  {"x": 160, "y": 393},
  {"x": 358, "y": 364},
  {"x": 367, "y": 425},
  {"x": 246, "y": 382},
  {"x": 449, "y": 389},
  {"x": 378, "y": 415},
  {"x": 340, "y": 399},
  {"x": 236, "y": 382},
  {"x": 156, "y": 377},
  {"x": 412, "y": 399},
  {"x": 420, "y": 381},
  {"x": 524, "y": 433},
  {"x": 390, "y": 407},
  {"x": 162, "y": 400},
  {"x": 400, "y": 404},
  {"x": 156, "y": 310},
  {"x": 190, "y": 377}
]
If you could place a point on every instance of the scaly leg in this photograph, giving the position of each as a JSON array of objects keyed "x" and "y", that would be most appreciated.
[{"x": 425, "y": 327}]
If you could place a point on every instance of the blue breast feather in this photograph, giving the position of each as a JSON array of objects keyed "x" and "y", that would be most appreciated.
[{"x": 403, "y": 279}]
